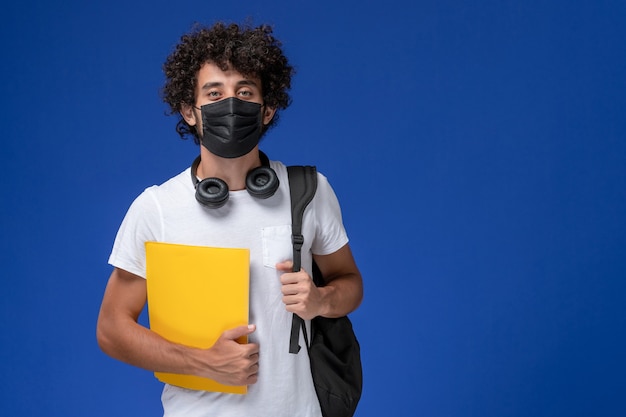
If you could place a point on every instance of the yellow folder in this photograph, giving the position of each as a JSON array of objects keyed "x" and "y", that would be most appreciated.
[{"x": 195, "y": 293}]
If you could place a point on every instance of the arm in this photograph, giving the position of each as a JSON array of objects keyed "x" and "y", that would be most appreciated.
[
  {"x": 341, "y": 295},
  {"x": 120, "y": 336}
]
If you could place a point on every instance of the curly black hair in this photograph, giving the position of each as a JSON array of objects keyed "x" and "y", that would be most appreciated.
[{"x": 253, "y": 52}]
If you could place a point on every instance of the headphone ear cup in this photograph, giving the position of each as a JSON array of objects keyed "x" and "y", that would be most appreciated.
[
  {"x": 212, "y": 192},
  {"x": 262, "y": 182}
]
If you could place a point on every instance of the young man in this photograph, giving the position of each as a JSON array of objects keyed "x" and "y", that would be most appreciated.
[{"x": 228, "y": 84}]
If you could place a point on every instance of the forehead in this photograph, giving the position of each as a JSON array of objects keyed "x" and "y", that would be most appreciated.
[{"x": 212, "y": 75}]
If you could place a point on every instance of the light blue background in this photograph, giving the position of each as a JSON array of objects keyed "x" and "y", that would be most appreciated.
[{"x": 478, "y": 149}]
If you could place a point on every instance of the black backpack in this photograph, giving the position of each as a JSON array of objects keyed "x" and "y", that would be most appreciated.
[{"x": 334, "y": 351}]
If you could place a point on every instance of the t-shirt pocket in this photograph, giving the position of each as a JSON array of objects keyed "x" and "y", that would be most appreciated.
[{"x": 277, "y": 245}]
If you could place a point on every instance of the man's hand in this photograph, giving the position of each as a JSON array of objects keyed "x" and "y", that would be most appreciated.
[
  {"x": 300, "y": 294},
  {"x": 232, "y": 363},
  {"x": 120, "y": 335},
  {"x": 342, "y": 291}
]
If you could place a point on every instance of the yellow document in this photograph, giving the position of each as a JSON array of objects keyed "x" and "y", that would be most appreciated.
[{"x": 195, "y": 293}]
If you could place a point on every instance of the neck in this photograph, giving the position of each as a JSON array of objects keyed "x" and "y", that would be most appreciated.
[{"x": 231, "y": 170}]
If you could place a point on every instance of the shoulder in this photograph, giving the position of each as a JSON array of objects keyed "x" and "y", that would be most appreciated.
[
  {"x": 324, "y": 189},
  {"x": 180, "y": 181},
  {"x": 152, "y": 197},
  {"x": 279, "y": 167},
  {"x": 173, "y": 187}
]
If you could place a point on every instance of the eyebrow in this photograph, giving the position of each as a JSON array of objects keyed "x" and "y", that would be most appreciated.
[{"x": 219, "y": 84}]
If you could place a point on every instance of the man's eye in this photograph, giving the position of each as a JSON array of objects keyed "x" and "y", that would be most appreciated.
[
  {"x": 245, "y": 93},
  {"x": 214, "y": 94}
]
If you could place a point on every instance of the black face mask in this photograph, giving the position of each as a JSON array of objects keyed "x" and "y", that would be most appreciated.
[{"x": 231, "y": 127}]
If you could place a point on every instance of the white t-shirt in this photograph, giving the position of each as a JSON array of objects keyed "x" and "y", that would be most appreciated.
[{"x": 170, "y": 213}]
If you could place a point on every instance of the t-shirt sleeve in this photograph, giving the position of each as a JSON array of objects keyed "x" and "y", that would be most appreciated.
[
  {"x": 140, "y": 225},
  {"x": 330, "y": 234}
]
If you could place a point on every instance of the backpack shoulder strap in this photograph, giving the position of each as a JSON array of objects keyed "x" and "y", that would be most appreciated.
[{"x": 302, "y": 187}]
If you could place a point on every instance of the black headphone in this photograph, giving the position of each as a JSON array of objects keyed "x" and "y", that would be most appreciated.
[{"x": 261, "y": 182}]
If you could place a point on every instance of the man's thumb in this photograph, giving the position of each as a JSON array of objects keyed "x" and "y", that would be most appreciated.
[{"x": 239, "y": 332}]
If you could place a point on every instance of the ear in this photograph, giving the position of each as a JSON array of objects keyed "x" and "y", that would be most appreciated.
[
  {"x": 188, "y": 114},
  {"x": 268, "y": 115}
]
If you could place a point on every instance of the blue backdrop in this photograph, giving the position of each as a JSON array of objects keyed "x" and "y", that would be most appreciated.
[{"x": 478, "y": 149}]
